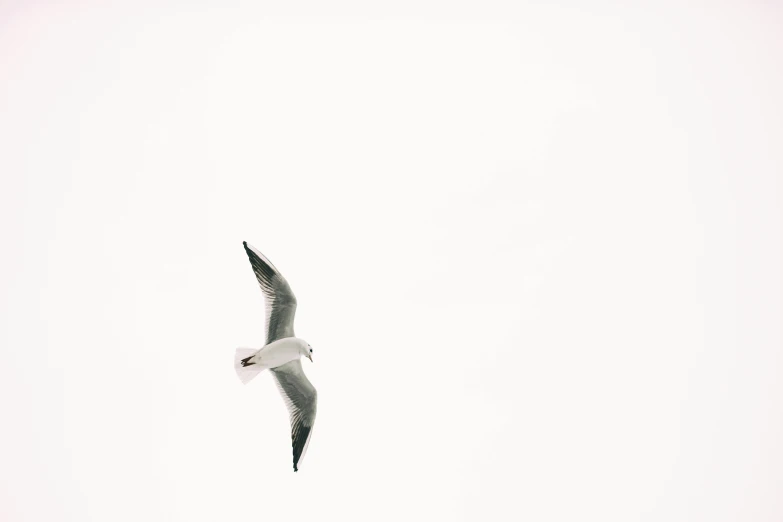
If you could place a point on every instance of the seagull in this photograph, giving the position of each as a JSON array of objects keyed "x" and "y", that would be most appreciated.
[{"x": 281, "y": 353}]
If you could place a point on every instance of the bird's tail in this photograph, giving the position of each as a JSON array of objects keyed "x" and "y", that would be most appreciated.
[{"x": 245, "y": 369}]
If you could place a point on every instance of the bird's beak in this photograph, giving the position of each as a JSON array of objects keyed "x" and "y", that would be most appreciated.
[{"x": 310, "y": 357}]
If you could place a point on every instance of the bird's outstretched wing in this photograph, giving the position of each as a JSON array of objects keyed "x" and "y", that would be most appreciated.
[
  {"x": 300, "y": 397},
  {"x": 280, "y": 300}
]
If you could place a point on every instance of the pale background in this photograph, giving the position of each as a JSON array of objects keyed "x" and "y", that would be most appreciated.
[{"x": 537, "y": 251}]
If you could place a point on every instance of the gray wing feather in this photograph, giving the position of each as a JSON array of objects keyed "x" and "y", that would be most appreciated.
[
  {"x": 280, "y": 300},
  {"x": 300, "y": 398}
]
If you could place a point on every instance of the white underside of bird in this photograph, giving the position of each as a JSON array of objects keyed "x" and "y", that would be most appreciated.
[{"x": 249, "y": 362}]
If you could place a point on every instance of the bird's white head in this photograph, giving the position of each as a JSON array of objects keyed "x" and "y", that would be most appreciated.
[{"x": 306, "y": 350}]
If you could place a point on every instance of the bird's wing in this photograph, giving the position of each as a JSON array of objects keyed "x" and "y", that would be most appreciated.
[
  {"x": 280, "y": 300},
  {"x": 300, "y": 397}
]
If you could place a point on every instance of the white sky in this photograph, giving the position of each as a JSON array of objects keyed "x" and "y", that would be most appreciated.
[{"x": 537, "y": 251}]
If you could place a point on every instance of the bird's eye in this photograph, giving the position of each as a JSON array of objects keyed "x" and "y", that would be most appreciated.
[{"x": 311, "y": 350}]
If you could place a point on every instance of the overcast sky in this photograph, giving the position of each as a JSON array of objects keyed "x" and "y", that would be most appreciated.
[{"x": 537, "y": 251}]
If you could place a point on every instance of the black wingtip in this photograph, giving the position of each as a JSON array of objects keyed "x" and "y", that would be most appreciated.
[{"x": 244, "y": 243}]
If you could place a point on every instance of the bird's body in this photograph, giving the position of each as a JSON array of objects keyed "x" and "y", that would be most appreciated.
[
  {"x": 277, "y": 353},
  {"x": 281, "y": 353}
]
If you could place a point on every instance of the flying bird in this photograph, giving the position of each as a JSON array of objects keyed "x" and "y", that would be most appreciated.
[{"x": 281, "y": 353}]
